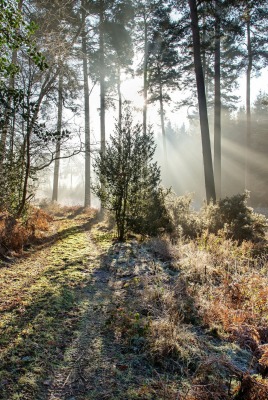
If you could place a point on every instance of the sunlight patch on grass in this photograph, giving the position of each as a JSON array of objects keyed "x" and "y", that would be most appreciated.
[{"x": 43, "y": 302}]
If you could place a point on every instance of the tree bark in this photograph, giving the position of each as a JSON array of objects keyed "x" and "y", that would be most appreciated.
[
  {"x": 102, "y": 78},
  {"x": 58, "y": 145},
  {"x": 217, "y": 105},
  {"x": 11, "y": 86},
  {"x": 87, "y": 201},
  {"x": 46, "y": 86},
  {"x": 145, "y": 78},
  {"x": 5, "y": 129},
  {"x": 162, "y": 117},
  {"x": 248, "y": 106},
  {"x": 119, "y": 99},
  {"x": 203, "y": 56},
  {"x": 206, "y": 147},
  {"x": 26, "y": 152}
]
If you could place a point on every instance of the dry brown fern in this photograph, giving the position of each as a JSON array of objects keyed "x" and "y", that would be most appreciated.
[{"x": 252, "y": 389}]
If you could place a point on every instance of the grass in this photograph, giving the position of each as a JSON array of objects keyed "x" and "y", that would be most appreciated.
[
  {"x": 42, "y": 300},
  {"x": 85, "y": 317}
]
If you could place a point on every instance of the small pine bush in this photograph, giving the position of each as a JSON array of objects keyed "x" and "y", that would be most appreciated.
[{"x": 129, "y": 181}]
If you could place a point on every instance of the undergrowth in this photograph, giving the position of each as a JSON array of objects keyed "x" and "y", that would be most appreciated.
[
  {"x": 188, "y": 317},
  {"x": 16, "y": 233},
  {"x": 227, "y": 282},
  {"x": 230, "y": 216},
  {"x": 200, "y": 319}
]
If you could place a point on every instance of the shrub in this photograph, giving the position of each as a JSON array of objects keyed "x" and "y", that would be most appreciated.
[
  {"x": 169, "y": 341},
  {"x": 235, "y": 218},
  {"x": 129, "y": 180},
  {"x": 185, "y": 221},
  {"x": 231, "y": 217},
  {"x": 13, "y": 233},
  {"x": 152, "y": 218}
]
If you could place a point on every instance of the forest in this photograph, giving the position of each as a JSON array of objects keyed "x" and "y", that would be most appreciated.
[{"x": 133, "y": 205}]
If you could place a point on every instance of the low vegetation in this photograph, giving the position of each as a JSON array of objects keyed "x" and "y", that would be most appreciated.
[
  {"x": 17, "y": 233},
  {"x": 200, "y": 319},
  {"x": 180, "y": 316},
  {"x": 230, "y": 217}
]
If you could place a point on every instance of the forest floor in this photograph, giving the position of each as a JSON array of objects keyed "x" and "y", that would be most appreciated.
[{"x": 86, "y": 318}]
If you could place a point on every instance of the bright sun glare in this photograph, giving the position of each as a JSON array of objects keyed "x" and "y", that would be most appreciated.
[{"x": 130, "y": 91}]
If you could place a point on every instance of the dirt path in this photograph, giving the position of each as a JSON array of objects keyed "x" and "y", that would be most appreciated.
[
  {"x": 84, "y": 356},
  {"x": 97, "y": 364}
]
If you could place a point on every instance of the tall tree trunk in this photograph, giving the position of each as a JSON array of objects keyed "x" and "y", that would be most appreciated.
[
  {"x": 26, "y": 175},
  {"x": 29, "y": 130},
  {"x": 162, "y": 117},
  {"x": 12, "y": 137},
  {"x": 119, "y": 99},
  {"x": 102, "y": 78},
  {"x": 58, "y": 145},
  {"x": 102, "y": 84},
  {"x": 145, "y": 78},
  {"x": 87, "y": 201},
  {"x": 7, "y": 114},
  {"x": 26, "y": 154},
  {"x": 207, "y": 158},
  {"x": 203, "y": 57},
  {"x": 11, "y": 86},
  {"x": 217, "y": 105},
  {"x": 248, "y": 107}
]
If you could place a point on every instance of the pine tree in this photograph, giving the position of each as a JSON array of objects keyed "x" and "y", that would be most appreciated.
[
  {"x": 129, "y": 180},
  {"x": 163, "y": 61},
  {"x": 149, "y": 16}
]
